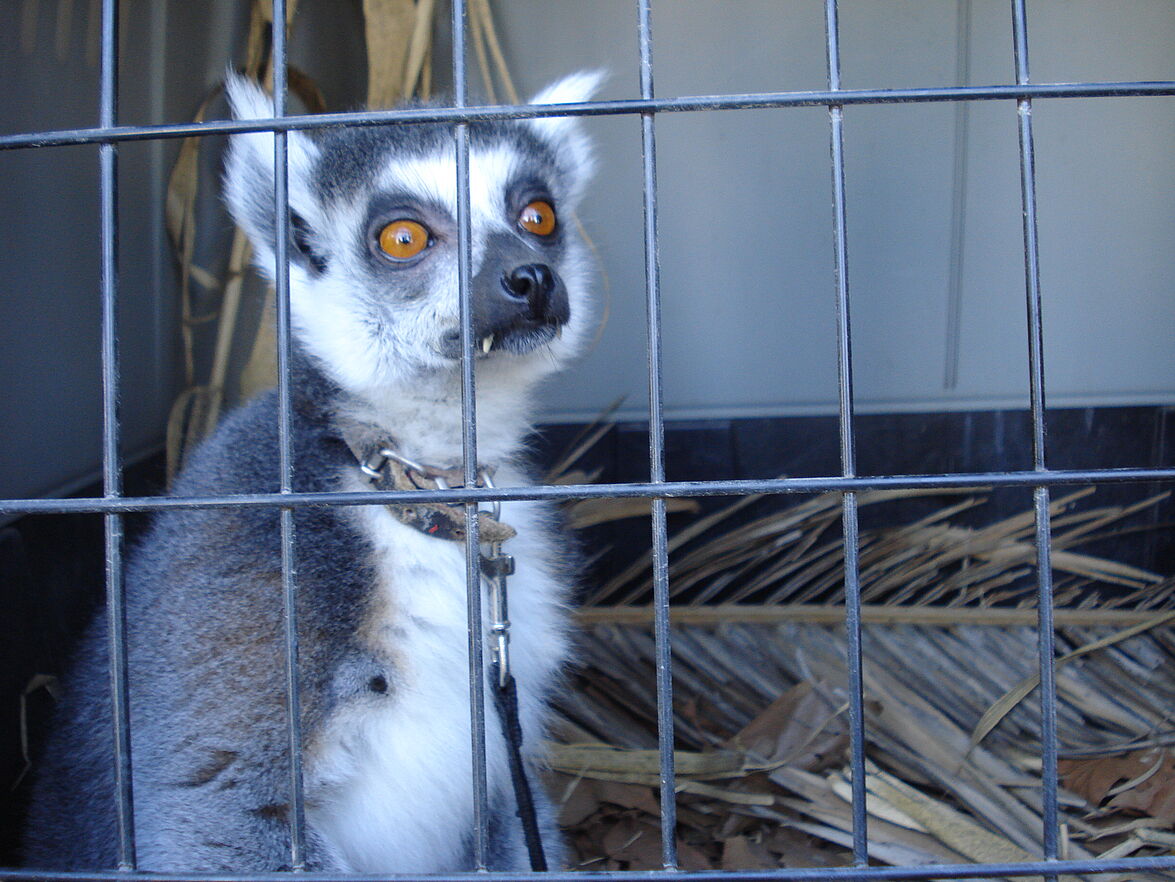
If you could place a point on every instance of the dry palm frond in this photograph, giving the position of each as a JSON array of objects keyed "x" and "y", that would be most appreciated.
[
  {"x": 950, "y": 653},
  {"x": 759, "y": 714},
  {"x": 794, "y": 554}
]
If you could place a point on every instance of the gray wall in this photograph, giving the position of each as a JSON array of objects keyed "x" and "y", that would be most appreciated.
[
  {"x": 172, "y": 55},
  {"x": 49, "y": 265},
  {"x": 933, "y": 192},
  {"x": 746, "y": 249}
]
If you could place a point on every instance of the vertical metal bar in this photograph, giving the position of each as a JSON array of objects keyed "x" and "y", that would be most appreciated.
[
  {"x": 660, "y": 540},
  {"x": 477, "y": 712},
  {"x": 962, "y": 114},
  {"x": 285, "y": 452},
  {"x": 1048, "y": 687},
  {"x": 847, "y": 449},
  {"x": 1031, "y": 250},
  {"x": 111, "y": 466},
  {"x": 1045, "y": 628}
]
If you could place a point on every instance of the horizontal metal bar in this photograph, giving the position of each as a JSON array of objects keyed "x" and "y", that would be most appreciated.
[
  {"x": 870, "y": 614},
  {"x": 746, "y": 101},
  {"x": 819, "y": 874},
  {"x": 667, "y": 490}
]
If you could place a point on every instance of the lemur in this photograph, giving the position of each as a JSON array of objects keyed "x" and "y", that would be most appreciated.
[{"x": 381, "y": 600}]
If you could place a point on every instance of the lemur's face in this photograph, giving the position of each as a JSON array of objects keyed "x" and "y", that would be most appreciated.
[{"x": 374, "y": 250}]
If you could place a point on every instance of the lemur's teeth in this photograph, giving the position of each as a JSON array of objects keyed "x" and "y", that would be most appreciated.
[{"x": 486, "y": 342}]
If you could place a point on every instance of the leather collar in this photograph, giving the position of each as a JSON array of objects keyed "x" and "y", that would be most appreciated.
[{"x": 385, "y": 468}]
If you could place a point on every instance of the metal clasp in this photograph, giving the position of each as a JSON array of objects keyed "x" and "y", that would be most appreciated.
[
  {"x": 373, "y": 466},
  {"x": 497, "y": 566}
]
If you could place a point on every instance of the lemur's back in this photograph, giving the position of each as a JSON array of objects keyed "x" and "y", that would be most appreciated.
[{"x": 204, "y": 647}]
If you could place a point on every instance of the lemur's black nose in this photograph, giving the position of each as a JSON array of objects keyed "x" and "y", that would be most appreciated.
[
  {"x": 533, "y": 284},
  {"x": 517, "y": 305}
]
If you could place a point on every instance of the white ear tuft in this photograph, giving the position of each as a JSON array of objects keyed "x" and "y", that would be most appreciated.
[
  {"x": 572, "y": 89},
  {"x": 249, "y": 171},
  {"x": 565, "y": 133},
  {"x": 247, "y": 99}
]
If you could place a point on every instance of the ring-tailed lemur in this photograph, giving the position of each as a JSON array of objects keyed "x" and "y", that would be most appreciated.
[{"x": 381, "y": 604}]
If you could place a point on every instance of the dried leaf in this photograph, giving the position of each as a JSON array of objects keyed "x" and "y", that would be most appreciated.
[
  {"x": 801, "y": 728},
  {"x": 633, "y": 840},
  {"x": 579, "y": 804},
  {"x": 797, "y": 849},
  {"x": 591, "y": 760},
  {"x": 582, "y": 443},
  {"x": 743, "y": 853},
  {"x": 1094, "y": 778},
  {"x": 629, "y": 796},
  {"x": 689, "y": 858},
  {"x": 1020, "y": 691},
  {"x": 725, "y": 794},
  {"x": 1152, "y": 791},
  {"x": 590, "y": 512},
  {"x": 953, "y": 828},
  {"x": 933, "y": 665},
  {"x": 389, "y": 25}
]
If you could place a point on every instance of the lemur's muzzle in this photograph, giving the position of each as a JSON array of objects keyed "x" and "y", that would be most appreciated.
[
  {"x": 527, "y": 309},
  {"x": 515, "y": 309}
]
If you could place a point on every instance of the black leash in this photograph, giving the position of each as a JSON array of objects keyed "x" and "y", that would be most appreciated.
[{"x": 506, "y": 701}]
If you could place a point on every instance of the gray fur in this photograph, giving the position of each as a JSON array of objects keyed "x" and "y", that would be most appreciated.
[{"x": 203, "y": 589}]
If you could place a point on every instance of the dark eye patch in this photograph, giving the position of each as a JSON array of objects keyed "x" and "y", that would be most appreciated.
[{"x": 384, "y": 208}]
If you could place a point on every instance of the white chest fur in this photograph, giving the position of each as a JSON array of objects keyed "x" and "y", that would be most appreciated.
[{"x": 389, "y": 784}]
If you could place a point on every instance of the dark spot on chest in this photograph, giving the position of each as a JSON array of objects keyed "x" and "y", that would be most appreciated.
[
  {"x": 210, "y": 768},
  {"x": 279, "y": 812}
]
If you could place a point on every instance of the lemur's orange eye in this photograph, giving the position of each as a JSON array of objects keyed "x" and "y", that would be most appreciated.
[
  {"x": 403, "y": 239},
  {"x": 538, "y": 217}
]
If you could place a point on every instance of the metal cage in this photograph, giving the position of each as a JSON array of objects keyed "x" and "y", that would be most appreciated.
[{"x": 113, "y": 504}]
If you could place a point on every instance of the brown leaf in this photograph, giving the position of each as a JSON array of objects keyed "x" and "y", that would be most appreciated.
[
  {"x": 690, "y": 858},
  {"x": 635, "y": 842},
  {"x": 744, "y": 853},
  {"x": 587, "y": 847},
  {"x": 798, "y": 849},
  {"x": 581, "y": 803},
  {"x": 1093, "y": 778},
  {"x": 734, "y": 825},
  {"x": 800, "y": 728},
  {"x": 1151, "y": 791},
  {"x": 630, "y": 796}
]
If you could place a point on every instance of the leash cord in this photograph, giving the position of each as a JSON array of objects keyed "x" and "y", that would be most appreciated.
[{"x": 506, "y": 701}]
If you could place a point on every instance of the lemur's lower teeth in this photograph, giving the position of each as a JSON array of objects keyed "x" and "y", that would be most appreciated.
[{"x": 486, "y": 343}]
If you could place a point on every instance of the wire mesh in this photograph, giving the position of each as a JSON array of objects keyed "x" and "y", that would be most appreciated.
[{"x": 114, "y": 504}]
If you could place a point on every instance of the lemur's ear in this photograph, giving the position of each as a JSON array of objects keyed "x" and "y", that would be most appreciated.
[
  {"x": 248, "y": 181},
  {"x": 566, "y": 133}
]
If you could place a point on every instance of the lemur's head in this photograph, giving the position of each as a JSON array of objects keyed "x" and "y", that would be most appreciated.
[{"x": 374, "y": 250}]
